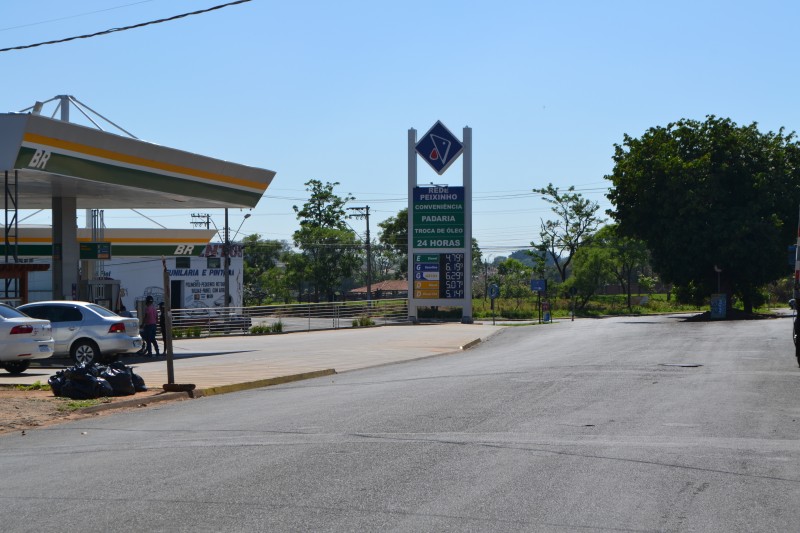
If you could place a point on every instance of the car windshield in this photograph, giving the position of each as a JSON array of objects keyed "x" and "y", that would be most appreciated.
[
  {"x": 100, "y": 310},
  {"x": 10, "y": 312}
]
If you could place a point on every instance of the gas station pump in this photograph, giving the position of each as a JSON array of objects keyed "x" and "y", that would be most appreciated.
[{"x": 103, "y": 292}]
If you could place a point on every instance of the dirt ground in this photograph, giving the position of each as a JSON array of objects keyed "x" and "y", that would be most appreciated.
[{"x": 25, "y": 410}]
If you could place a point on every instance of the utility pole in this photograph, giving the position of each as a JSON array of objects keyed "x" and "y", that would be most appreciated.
[
  {"x": 363, "y": 212},
  {"x": 201, "y": 219},
  {"x": 226, "y": 253}
]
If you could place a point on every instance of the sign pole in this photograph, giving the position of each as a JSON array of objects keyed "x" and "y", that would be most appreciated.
[
  {"x": 412, "y": 182},
  {"x": 539, "y": 305},
  {"x": 168, "y": 324},
  {"x": 466, "y": 311}
]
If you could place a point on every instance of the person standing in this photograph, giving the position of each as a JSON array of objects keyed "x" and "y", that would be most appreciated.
[{"x": 150, "y": 323}]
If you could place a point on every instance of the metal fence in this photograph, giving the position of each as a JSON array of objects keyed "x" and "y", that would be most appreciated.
[{"x": 202, "y": 322}]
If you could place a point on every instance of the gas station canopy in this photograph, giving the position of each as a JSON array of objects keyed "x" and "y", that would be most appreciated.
[
  {"x": 58, "y": 159},
  {"x": 62, "y": 166}
]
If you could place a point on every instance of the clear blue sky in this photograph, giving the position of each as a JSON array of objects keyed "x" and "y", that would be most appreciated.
[{"x": 328, "y": 90}]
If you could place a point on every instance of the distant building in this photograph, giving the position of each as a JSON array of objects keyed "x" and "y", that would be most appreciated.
[
  {"x": 136, "y": 265},
  {"x": 395, "y": 288}
]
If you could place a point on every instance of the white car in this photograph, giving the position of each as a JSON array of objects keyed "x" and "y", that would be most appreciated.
[
  {"x": 22, "y": 339},
  {"x": 86, "y": 332}
]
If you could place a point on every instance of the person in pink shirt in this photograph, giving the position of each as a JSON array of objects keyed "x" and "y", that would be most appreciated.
[{"x": 150, "y": 323}]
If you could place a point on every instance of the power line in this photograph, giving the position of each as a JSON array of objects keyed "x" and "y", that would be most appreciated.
[
  {"x": 73, "y": 16},
  {"x": 134, "y": 26}
]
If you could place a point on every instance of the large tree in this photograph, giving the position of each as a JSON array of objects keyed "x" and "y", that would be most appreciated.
[
  {"x": 394, "y": 241},
  {"x": 331, "y": 249},
  {"x": 263, "y": 269},
  {"x": 514, "y": 280},
  {"x": 592, "y": 270},
  {"x": 627, "y": 256},
  {"x": 716, "y": 203},
  {"x": 576, "y": 220}
]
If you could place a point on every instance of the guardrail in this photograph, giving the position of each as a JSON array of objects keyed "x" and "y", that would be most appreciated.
[{"x": 202, "y": 322}]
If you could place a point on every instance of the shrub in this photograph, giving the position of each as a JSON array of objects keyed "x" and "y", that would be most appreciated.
[
  {"x": 363, "y": 321},
  {"x": 275, "y": 327}
]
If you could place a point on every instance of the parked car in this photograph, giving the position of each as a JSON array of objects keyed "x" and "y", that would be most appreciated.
[
  {"x": 22, "y": 339},
  {"x": 87, "y": 332}
]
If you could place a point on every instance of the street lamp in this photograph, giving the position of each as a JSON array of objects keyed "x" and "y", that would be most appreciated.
[
  {"x": 240, "y": 226},
  {"x": 226, "y": 252}
]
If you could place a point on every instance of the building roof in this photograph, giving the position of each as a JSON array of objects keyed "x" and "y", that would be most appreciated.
[{"x": 392, "y": 285}]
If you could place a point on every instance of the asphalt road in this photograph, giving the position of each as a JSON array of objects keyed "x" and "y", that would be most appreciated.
[{"x": 628, "y": 424}]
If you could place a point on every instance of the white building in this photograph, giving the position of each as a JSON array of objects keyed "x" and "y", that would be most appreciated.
[{"x": 136, "y": 266}]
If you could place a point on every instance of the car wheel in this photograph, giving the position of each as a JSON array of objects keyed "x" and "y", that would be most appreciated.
[
  {"x": 16, "y": 367},
  {"x": 85, "y": 352}
]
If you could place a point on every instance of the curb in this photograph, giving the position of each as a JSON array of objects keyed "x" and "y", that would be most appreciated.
[
  {"x": 236, "y": 387},
  {"x": 212, "y": 391},
  {"x": 470, "y": 344},
  {"x": 140, "y": 402}
]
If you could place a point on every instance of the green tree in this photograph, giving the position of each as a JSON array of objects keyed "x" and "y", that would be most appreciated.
[
  {"x": 297, "y": 273},
  {"x": 592, "y": 270},
  {"x": 710, "y": 194},
  {"x": 575, "y": 222},
  {"x": 514, "y": 280},
  {"x": 331, "y": 250},
  {"x": 394, "y": 241},
  {"x": 627, "y": 256},
  {"x": 262, "y": 268}
]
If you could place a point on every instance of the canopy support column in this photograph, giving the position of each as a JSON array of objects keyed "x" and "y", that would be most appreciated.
[{"x": 66, "y": 254}]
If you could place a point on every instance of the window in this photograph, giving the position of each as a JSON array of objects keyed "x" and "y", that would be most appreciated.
[
  {"x": 72, "y": 314},
  {"x": 55, "y": 313},
  {"x": 214, "y": 262},
  {"x": 183, "y": 262},
  {"x": 38, "y": 312}
]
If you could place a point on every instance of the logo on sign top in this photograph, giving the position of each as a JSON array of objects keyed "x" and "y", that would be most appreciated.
[{"x": 439, "y": 147}]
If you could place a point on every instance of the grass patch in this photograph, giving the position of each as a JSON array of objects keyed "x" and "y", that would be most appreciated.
[
  {"x": 38, "y": 385},
  {"x": 74, "y": 405},
  {"x": 600, "y": 305}
]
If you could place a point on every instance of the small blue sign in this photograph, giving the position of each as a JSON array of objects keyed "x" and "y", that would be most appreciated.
[
  {"x": 494, "y": 291},
  {"x": 539, "y": 285},
  {"x": 439, "y": 148}
]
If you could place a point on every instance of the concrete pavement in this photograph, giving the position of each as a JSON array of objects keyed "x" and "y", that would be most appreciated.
[{"x": 218, "y": 364}]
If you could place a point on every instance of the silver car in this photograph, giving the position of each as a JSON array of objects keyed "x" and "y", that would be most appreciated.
[
  {"x": 22, "y": 339},
  {"x": 86, "y": 332}
]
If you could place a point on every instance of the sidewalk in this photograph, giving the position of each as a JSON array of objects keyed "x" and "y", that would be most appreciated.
[{"x": 228, "y": 363}]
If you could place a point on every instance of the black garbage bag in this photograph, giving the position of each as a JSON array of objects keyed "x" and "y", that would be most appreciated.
[
  {"x": 138, "y": 382},
  {"x": 87, "y": 387},
  {"x": 56, "y": 382},
  {"x": 84, "y": 382},
  {"x": 120, "y": 379},
  {"x": 81, "y": 382}
]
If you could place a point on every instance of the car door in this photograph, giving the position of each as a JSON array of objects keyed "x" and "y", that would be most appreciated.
[
  {"x": 71, "y": 324},
  {"x": 65, "y": 320}
]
